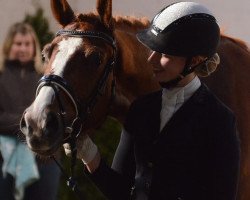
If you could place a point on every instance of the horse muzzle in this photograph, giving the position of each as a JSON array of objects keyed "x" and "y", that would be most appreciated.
[{"x": 44, "y": 133}]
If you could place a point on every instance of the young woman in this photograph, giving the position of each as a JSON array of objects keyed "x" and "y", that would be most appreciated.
[
  {"x": 23, "y": 177},
  {"x": 179, "y": 143}
]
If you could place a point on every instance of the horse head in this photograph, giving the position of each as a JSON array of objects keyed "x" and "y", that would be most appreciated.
[{"x": 75, "y": 92}]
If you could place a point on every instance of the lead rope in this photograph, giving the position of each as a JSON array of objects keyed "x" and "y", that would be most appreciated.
[{"x": 71, "y": 181}]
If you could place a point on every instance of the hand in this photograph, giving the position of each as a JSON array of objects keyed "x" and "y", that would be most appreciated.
[{"x": 86, "y": 149}]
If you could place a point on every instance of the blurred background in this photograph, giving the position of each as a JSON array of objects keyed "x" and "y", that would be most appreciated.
[{"x": 233, "y": 17}]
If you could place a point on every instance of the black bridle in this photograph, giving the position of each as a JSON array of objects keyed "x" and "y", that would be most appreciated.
[{"x": 81, "y": 111}]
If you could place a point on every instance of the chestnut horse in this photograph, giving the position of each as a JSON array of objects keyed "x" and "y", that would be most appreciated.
[{"x": 95, "y": 50}]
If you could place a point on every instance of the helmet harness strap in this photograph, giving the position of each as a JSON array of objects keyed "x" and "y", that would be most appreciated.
[{"x": 188, "y": 69}]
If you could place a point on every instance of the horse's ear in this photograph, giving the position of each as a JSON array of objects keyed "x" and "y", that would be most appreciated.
[
  {"x": 62, "y": 11},
  {"x": 104, "y": 9}
]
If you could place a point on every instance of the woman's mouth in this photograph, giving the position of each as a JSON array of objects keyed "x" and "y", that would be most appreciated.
[{"x": 157, "y": 70}]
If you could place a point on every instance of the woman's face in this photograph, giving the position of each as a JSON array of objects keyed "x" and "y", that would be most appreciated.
[
  {"x": 22, "y": 48},
  {"x": 166, "y": 67}
]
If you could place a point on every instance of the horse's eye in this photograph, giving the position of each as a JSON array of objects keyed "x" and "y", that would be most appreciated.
[
  {"x": 95, "y": 59},
  {"x": 46, "y": 53},
  {"x": 45, "y": 57}
]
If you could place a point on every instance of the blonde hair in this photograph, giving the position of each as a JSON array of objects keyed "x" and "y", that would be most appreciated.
[
  {"x": 207, "y": 67},
  {"x": 23, "y": 28}
]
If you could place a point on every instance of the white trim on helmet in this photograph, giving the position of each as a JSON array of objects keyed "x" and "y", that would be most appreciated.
[{"x": 175, "y": 12}]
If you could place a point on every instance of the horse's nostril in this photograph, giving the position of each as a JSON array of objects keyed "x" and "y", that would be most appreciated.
[
  {"x": 22, "y": 123},
  {"x": 23, "y": 126},
  {"x": 30, "y": 130},
  {"x": 26, "y": 129}
]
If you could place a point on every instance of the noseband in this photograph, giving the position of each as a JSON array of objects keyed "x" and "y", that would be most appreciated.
[
  {"x": 58, "y": 83},
  {"x": 81, "y": 111}
]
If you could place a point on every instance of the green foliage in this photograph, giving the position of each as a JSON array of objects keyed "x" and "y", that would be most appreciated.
[
  {"x": 106, "y": 138},
  {"x": 41, "y": 26}
]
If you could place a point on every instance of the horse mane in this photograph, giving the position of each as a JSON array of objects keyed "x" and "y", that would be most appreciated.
[
  {"x": 130, "y": 23},
  {"x": 236, "y": 41},
  {"x": 86, "y": 17}
]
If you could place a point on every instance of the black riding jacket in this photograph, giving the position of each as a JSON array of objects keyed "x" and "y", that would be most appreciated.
[
  {"x": 194, "y": 157},
  {"x": 17, "y": 91}
]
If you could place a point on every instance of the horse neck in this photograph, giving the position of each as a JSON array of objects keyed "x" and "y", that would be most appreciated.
[
  {"x": 134, "y": 75},
  {"x": 130, "y": 24},
  {"x": 133, "y": 71}
]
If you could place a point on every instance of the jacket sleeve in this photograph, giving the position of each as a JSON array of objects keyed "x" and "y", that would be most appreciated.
[
  {"x": 115, "y": 182},
  {"x": 227, "y": 160}
]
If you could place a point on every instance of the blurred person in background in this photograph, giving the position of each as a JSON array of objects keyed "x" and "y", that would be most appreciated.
[{"x": 22, "y": 175}]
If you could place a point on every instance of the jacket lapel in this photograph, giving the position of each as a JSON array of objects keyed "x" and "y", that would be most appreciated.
[
  {"x": 155, "y": 113},
  {"x": 188, "y": 111}
]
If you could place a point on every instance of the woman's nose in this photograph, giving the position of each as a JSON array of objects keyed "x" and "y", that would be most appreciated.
[{"x": 23, "y": 47}]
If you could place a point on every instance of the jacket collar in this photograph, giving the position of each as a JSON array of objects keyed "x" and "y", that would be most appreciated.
[
  {"x": 190, "y": 108},
  {"x": 16, "y": 65}
]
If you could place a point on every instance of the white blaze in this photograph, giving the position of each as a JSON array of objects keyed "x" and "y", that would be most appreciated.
[
  {"x": 66, "y": 48},
  {"x": 45, "y": 97}
]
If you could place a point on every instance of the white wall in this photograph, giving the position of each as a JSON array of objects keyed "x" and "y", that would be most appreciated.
[{"x": 233, "y": 16}]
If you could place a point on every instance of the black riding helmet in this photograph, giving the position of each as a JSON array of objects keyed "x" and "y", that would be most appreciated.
[{"x": 182, "y": 29}]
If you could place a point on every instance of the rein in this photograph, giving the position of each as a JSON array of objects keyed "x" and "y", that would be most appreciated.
[{"x": 81, "y": 111}]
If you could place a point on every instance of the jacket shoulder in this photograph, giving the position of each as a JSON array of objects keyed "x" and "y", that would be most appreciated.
[
  {"x": 217, "y": 112},
  {"x": 146, "y": 100},
  {"x": 142, "y": 109}
]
